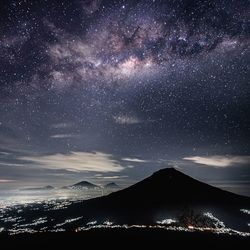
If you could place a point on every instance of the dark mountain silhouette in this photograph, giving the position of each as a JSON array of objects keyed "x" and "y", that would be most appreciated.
[
  {"x": 84, "y": 184},
  {"x": 111, "y": 185},
  {"x": 165, "y": 194},
  {"x": 169, "y": 187}
]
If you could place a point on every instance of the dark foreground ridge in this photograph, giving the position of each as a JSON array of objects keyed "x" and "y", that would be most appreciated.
[{"x": 118, "y": 238}]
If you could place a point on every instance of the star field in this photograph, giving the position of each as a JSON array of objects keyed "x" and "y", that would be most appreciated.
[{"x": 155, "y": 80}]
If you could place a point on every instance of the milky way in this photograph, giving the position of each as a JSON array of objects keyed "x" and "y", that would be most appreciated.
[
  {"x": 116, "y": 42},
  {"x": 155, "y": 81}
]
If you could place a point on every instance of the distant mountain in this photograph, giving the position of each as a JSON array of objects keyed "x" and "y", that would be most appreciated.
[
  {"x": 38, "y": 188},
  {"x": 111, "y": 185},
  {"x": 84, "y": 185}
]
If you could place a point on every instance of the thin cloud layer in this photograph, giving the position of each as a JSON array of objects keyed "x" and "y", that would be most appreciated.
[
  {"x": 6, "y": 181},
  {"x": 134, "y": 160},
  {"x": 77, "y": 161},
  {"x": 126, "y": 120},
  {"x": 219, "y": 161},
  {"x": 112, "y": 177},
  {"x": 62, "y": 125},
  {"x": 64, "y": 136}
]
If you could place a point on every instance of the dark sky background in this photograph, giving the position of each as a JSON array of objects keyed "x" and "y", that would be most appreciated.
[{"x": 113, "y": 90}]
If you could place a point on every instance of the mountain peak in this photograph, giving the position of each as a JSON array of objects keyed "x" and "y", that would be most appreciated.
[
  {"x": 84, "y": 184},
  {"x": 111, "y": 185},
  {"x": 168, "y": 171}
]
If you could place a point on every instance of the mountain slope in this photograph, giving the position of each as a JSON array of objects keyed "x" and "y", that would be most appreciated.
[
  {"x": 165, "y": 194},
  {"x": 171, "y": 187}
]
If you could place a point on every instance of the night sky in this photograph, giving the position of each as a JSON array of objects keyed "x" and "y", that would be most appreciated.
[{"x": 114, "y": 90}]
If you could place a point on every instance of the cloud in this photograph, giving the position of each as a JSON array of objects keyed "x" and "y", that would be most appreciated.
[
  {"x": 112, "y": 177},
  {"x": 4, "y": 153},
  {"x": 77, "y": 161},
  {"x": 63, "y": 136},
  {"x": 134, "y": 160},
  {"x": 219, "y": 161},
  {"x": 126, "y": 120},
  {"x": 10, "y": 164},
  {"x": 62, "y": 125},
  {"x": 6, "y": 181}
]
